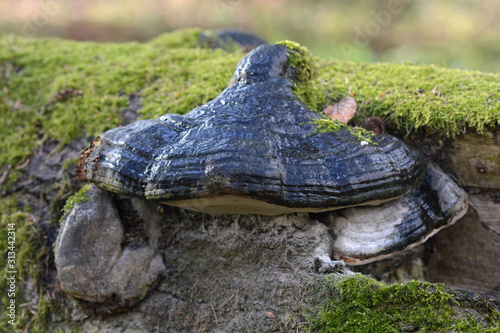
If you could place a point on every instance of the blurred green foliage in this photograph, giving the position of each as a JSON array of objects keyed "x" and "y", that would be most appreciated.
[{"x": 455, "y": 34}]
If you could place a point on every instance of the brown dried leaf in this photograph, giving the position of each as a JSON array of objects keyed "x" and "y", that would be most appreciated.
[
  {"x": 270, "y": 315},
  {"x": 342, "y": 111}
]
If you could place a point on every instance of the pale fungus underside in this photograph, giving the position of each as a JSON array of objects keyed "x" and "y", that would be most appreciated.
[{"x": 255, "y": 149}]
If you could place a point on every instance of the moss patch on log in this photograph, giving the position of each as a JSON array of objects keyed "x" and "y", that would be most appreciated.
[
  {"x": 358, "y": 303},
  {"x": 306, "y": 86},
  {"x": 50, "y": 88},
  {"x": 58, "y": 89},
  {"x": 79, "y": 197},
  {"x": 413, "y": 98}
]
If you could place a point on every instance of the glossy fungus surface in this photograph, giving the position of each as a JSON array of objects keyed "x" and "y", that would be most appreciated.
[{"x": 252, "y": 150}]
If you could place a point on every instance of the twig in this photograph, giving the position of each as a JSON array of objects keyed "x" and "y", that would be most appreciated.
[
  {"x": 5, "y": 173},
  {"x": 215, "y": 314}
]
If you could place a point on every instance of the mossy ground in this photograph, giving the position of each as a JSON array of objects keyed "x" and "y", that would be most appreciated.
[
  {"x": 59, "y": 90},
  {"x": 30, "y": 253},
  {"x": 306, "y": 86},
  {"x": 408, "y": 97},
  {"x": 358, "y": 303}
]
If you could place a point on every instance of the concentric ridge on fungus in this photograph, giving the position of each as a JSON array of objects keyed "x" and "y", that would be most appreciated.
[
  {"x": 252, "y": 150},
  {"x": 368, "y": 233}
]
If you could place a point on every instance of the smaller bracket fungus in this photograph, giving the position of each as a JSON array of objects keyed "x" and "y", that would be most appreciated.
[
  {"x": 370, "y": 233},
  {"x": 255, "y": 150}
]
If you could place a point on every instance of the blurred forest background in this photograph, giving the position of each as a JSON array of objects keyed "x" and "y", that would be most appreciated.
[{"x": 450, "y": 33}]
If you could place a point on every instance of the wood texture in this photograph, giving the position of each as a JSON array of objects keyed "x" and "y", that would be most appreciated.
[
  {"x": 476, "y": 159},
  {"x": 467, "y": 255}
]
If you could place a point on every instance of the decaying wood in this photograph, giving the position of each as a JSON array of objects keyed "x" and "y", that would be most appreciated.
[
  {"x": 476, "y": 159},
  {"x": 487, "y": 205},
  {"x": 467, "y": 255}
]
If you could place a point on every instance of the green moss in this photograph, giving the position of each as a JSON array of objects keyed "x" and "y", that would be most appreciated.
[
  {"x": 300, "y": 59},
  {"x": 408, "y": 97},
  {"x": 79, "y": 197},
  {"x": 329, "y": 125},
  {"x": 416, "y": 98},
  {"x": 44, "y": 308},
  {"x": 50, "y": 88},
  {"x": 61, "y": 90},
  {"x": 194, "y": 78},
  {"x": 358, "y": 303},
  {"x": 30, "y": 249},
  {"x": 306, "y": 86},
  {"x": 309, "y": 90}
]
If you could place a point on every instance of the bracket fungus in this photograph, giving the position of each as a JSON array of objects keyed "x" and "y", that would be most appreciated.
[
  {"x": 366, "y": 234},
  {"x": 254, "y": 150}
]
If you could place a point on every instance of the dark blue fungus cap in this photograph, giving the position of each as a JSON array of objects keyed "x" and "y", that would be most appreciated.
[{"x": 252, "y": 150}]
